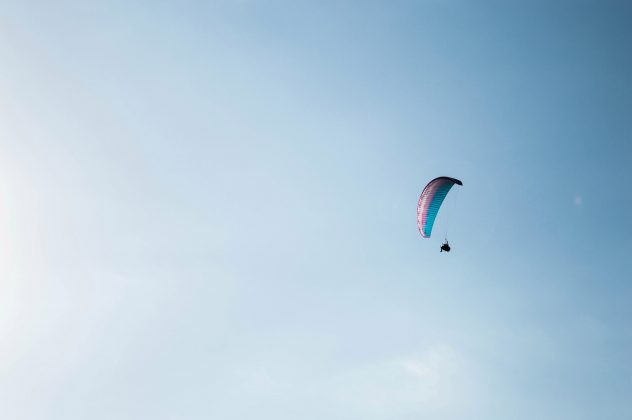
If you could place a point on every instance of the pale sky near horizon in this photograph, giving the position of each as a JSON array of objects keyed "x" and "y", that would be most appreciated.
[{"x": 207, "y": 210}]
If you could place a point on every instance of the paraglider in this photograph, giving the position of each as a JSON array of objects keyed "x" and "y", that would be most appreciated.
[{"x": 429, "y": 203}]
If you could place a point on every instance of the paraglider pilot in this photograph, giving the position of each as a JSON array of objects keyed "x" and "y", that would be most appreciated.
[{"x": 445, "y": 247}]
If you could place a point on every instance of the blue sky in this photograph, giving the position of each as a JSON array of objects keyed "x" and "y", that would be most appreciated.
[{"x": 207, "y": 210}]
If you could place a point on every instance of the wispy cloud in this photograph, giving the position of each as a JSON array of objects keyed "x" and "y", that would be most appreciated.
[
  {"x": 578, "y": 200},
  {"x": 437, "y": 378}
]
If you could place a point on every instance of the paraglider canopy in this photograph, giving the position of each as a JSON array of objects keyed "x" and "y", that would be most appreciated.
[{"x": 430, "y": 201}]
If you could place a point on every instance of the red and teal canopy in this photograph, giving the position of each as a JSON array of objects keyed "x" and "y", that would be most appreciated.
[{"x": 430, "y": 201}]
